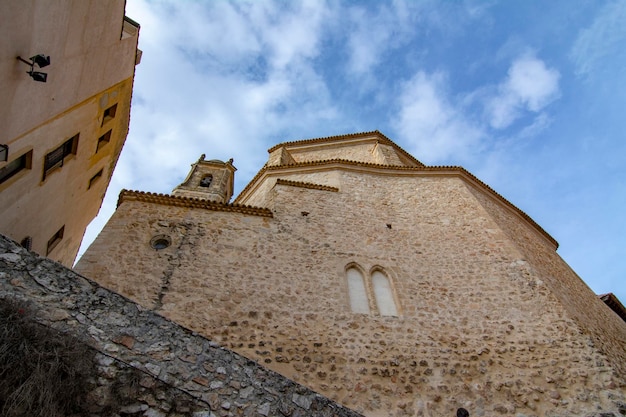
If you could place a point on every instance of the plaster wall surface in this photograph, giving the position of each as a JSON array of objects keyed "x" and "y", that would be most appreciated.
[
  {"x": 83, "y": 39},
  {"x": 93, "y": 54},
  {"x": 38, "y": 206},
  {"x": 479, "y": 324}
]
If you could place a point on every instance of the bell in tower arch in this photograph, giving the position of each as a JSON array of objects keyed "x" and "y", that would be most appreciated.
[{"x": 208, "y": 180}]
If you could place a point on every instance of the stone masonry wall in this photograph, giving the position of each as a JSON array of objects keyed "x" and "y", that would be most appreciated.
[
  {"x": 606, "y": 329},
  {"x": 363, "y": 152},
  {"x": 478, "y": 325},
  {"x": 147, "y": 365}
]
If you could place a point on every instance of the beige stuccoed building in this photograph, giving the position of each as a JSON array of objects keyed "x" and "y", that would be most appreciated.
[
  {"x": 64, "y": 116},
  {"x": 395, "y": 288}
]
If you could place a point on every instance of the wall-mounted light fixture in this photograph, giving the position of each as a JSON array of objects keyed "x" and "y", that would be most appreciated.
[{"x": 42, "y": 61}]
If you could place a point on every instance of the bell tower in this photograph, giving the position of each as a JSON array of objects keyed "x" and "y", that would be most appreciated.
[{"x": 208, "y": 180}]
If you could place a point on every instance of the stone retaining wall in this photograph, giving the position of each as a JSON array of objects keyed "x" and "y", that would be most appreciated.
[{"x": 163, "y": 368}]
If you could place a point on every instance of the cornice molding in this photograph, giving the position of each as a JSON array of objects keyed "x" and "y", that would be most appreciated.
[
  {"x": 177, "y": 201},
  {"x": 309, "y": 185},
  {"x": 380, "y": 137},
  {"x": 402, "y": 170}
]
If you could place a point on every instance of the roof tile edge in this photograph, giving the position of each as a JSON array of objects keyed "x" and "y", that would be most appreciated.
[
  {"x": 323, "y": 139},
  {"x": 170, "y": 200},
  {"x": 460, "y": 170}
]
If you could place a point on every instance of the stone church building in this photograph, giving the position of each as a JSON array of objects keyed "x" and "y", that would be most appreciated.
[{"x": 394, "y": 288}]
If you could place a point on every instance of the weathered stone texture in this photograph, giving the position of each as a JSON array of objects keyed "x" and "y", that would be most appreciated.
[
  {"x": 148, "y": 365},
  {"x": 480, "y": 322},
  {"x": 364, "y": 152},
  {"x": 572, "y": 293}
]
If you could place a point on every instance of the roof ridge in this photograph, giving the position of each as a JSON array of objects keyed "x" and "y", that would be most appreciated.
[
  {"x": 347, "y": 135},
  {"x": 303, "y": 184}
]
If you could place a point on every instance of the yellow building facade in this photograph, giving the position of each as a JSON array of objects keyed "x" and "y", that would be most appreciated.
[
  {"x": 60, "y": 138},
  {"x": 394, "y": 288}
]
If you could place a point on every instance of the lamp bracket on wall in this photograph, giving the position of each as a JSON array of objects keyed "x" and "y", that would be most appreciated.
[{"x": 42, "y": 61}]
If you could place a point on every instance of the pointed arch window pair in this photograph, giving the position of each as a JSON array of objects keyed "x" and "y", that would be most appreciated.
[{"x": 374, "y": 295}]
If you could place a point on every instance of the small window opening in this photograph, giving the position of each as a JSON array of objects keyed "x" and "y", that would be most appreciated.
[
  {"x": 55, "y": 240},
  {"x": 109, "y": 114},
  {"x": 103, "y": 140},
  {"x": 206, "y": 181},
  {"x": 27, "y": 243},
  {"x": 56, "y": 158},
  {"x": 16, "y": 166},
  {"x": 95, "y": 178},
  {"x": 160, "y": 242}
]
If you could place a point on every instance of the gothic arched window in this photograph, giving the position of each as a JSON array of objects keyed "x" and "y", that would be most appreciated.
[
  {"x": 383, "y": 293},
  {"x": 359, "y": 302}
]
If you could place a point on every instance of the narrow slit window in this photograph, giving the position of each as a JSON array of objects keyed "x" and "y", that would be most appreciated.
[
  {"x": 103, "y": 140},
  {"x": 56, "y": 158},
  {"x": 356, "y": 289},
  {"x": 55, "y": 240},
  {"x": 383, "y": 293},
  {"x": 95, "y": 178},
  {"x": 16, "y": 166}
]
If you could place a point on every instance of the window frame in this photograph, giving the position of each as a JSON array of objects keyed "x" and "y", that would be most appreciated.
[
  {"x": 104, "y": 140},
  {"x": 95, "y": 178},
  {"x": 19, "y": 164},
  {"x": 56, "y": 158},
  {"x": 54, "y": 241},
  {"x": 109, "y": 114}
]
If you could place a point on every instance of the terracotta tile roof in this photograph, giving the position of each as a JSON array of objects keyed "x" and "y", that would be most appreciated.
[
  {"x": 170, "y": 200},
  {"x": 614, "y": 304},
  {"x": 442, "y": 169},
  {"x": 381, "y": 138},
  {"x": 306, "y": 185}
]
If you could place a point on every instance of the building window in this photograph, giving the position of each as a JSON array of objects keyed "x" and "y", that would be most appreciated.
[
  {"x": 371, "y": 295},
  {"x": 109, "y": 114},
  {"x": 95, "y": 178},
  {"x": 206, "y": 181},
  {"x": 55, "y": 159},
  {"x": 27, "y": 243},
  {"x": 55, "y": 239},
  {"x": 383, "y": 293},
  {"x": 359, "y": 302},
  {"x": 159, "y": 242},
  {"x": 15, "y": 166},
  {"x": 103, "y": 140}
]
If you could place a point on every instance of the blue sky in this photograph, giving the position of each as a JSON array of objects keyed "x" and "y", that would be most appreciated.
[{"x": 526, "y": 95}]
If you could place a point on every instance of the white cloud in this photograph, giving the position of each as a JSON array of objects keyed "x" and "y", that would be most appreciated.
[
  {"x": 220, "y": 75},
  {"x": 435, "y": 129},
  {"x": 603, "y": 39},
  {"x": 371, "y": 34},
  {"x": 529, "y": 86},
  {"x": 295, "y": 33}
]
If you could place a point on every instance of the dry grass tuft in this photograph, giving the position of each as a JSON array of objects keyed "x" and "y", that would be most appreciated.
[{"x": 42, "y": 372}]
